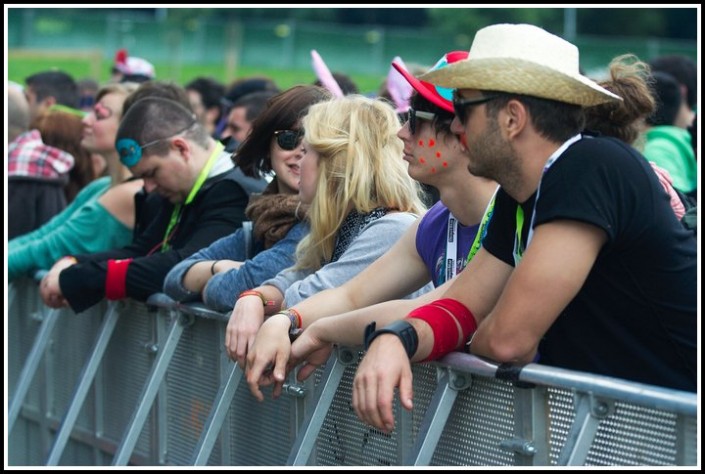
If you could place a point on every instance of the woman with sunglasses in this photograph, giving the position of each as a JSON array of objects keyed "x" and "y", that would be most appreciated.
[
  {"x": 218, "y": 273},
  {"x": 361, "y": 198},
  {"x": 450, "y": 231}
]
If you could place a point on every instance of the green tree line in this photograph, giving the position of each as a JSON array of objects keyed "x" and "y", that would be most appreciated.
[{"x": 677, "y": 23}]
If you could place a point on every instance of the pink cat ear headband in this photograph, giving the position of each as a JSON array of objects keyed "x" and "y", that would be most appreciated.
[
  {"x": 324, "y": 75},
  {"x": 399, "y": 88}
]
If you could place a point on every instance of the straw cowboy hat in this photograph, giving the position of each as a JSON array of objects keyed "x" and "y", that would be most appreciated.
[{"x": 522, "y": 59}]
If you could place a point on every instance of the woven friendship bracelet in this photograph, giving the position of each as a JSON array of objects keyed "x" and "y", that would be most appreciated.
[
  {"x": 294, "y": 316},
  {"x": 296, "y": 322},
  {"x": 265, "y": 302}
]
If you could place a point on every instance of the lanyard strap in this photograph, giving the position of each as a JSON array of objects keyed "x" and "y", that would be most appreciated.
[
  {"x": 518, "y": 248},
  {"x": 202, "y": 176},
  {"x": 451, "y": 247},
  {"x": 452, "y": 243},
  {"x": 482, "y": 230}
]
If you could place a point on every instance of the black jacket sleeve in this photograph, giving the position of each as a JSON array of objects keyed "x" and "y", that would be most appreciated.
[{"x": 217, "y": 210}]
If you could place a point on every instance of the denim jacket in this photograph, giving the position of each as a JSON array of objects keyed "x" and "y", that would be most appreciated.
[{"x": 222, "y": 290}]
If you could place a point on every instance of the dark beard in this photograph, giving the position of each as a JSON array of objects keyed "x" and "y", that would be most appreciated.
[{"x": 492, "y": 157}]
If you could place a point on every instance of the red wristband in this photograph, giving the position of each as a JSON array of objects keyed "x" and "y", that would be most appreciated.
[
  {"x": 116, "y": 279},
  {"x": 444, "y": 326},
  {"x": 462, "y": 314}
]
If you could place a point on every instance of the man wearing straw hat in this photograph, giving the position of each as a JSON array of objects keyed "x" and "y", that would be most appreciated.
[{"x": 584, "y": 265}]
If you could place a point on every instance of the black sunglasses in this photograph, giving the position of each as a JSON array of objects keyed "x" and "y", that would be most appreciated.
[
  {"x": 461, "y": 106},
  {"x": 418, "y": 114},
  {"x": 288, "y": 139}
]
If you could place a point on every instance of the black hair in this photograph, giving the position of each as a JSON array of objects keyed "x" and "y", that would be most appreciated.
[
  {"x": 55, "y": 84},
  {"x": 669, "y": 99},
  {"x": 155, "y": 118},
  {"x": 283, "y": 112}
]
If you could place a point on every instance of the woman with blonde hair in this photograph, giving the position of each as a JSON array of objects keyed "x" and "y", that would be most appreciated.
[
  {"x": 102, "y": 215},
  {"x": 361, "y": 198}
]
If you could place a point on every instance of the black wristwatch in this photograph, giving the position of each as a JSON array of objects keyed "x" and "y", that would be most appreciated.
[{"x": 402, "y": 329}]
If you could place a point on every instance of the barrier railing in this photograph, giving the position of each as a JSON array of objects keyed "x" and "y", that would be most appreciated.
[{"x": 150, "y": 384}]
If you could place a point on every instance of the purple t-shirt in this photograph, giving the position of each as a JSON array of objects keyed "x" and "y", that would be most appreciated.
[{"x": 431, "y": 242}]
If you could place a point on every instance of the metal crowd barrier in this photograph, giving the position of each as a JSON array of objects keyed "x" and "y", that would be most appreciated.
[{"x": 150, "y": 384}]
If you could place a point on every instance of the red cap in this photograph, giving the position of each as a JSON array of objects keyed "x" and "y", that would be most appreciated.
[{"x": 440, "y": 96}]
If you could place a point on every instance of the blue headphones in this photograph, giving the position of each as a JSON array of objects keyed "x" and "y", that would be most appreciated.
[{"x": 129, "y": 150}]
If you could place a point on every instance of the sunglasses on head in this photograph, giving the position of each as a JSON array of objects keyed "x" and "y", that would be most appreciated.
[
  {"x": 288, "y": 139},
  {"x": 414, "y": 115},
  {"x": 461, "y": 106}
]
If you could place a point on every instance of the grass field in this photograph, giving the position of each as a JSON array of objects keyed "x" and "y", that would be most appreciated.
[{"x": 90, "y": 65}]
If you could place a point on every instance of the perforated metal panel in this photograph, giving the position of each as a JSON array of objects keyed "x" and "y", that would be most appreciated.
[
  {"x": 24, "y": 320},
  {"x": 635, "y": 436},
  {"x": 23, "y": 323},
  {"x": 345, "y": 441},
  {"x": 631, "y": 436},
  {"x": 192, "y": 383},
  {"x": 482, "y": 417},
  {"x": 261, "y": 434},
  {"x": 72, "y": 342},
  {"x": 23, "y": 444},
  {"x": 562, "y": 417},
  {"x": 481, "y": 421},
  {"x": 424, "y": 386},
  {"x": 22, "y": 327},
  {"x": 126, "y": 364}
]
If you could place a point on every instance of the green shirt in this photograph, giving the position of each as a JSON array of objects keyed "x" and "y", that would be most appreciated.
[
  {"x": 85, "y": 226},
  {"x": 671, "y": 148}
]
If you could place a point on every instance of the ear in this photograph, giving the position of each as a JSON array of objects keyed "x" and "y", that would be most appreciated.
[
  {"x": 183, "y": 147},
  {"x": 49, "y": 101},
  {"x": 514, "y": 118}
]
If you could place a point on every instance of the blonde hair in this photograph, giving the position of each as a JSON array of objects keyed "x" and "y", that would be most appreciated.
[
  {"x": 123, "y": 89},
  {"x": 360, "y": 168}
]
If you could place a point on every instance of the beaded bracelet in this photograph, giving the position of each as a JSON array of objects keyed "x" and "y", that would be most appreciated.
[{"x": 265, "y": 302}]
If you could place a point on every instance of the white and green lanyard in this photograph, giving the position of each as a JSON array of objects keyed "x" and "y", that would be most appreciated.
[{"x": 518, "y": 247}]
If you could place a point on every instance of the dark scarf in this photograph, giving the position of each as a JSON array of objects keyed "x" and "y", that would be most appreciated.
[
  {"x": 273, "y": 214},
  {"x": 351, "y": 227}
]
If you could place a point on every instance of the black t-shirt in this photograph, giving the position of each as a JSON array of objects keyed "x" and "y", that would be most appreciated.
[{"x": 635, "y": 316}]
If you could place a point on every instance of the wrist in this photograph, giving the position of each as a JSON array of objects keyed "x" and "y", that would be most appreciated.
[
  {"x": 402, "y": 329},
  {"x": 295, "y": 322},
  {"x": 215, "y": 262},
  {"x": 67, "y": 261},
  {"x": 265, "y": 301}
]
